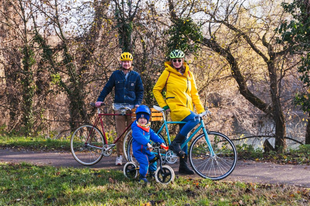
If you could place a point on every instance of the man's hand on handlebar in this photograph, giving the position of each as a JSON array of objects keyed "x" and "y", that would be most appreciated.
[{"x": 98, "y": 104}]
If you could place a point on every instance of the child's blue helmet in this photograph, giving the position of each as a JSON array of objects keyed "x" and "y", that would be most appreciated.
[{"x": 143, "y": 111}]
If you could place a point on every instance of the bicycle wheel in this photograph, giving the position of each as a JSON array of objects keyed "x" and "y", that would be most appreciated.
[
  {"x": 215, "y": 167},
  {"x": 86, "y": 145},
  {"x": 130, "y": 170},
  {"x": 164, "y": 175},
  {"x": 127, "y": 138},
  {"x": 129, "y": 148}
]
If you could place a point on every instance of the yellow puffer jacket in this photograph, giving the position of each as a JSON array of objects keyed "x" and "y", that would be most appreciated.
[{"x": 181, "y": 92}]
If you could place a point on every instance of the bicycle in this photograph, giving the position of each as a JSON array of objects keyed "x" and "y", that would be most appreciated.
[
  {"x": 212, "y": 154},
  {"x": 164, "y": 173},
  {"x": 88, "y": 144}
]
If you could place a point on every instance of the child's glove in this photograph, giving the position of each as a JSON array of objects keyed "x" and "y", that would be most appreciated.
[
  {"x": 149, "y": 147},
  {"x": 98, "y": 104},
  {"x": 163, "y": 146}
]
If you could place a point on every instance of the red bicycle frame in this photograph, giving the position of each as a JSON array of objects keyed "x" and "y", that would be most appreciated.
[{"x": 100, "y": 115}]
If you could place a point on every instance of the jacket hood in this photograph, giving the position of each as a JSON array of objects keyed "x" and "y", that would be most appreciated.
[{"x": 169, "y": 68}]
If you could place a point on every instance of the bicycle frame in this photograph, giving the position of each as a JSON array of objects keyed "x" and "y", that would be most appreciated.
[
  {"x": 99, "y": 117},
  {"x": 157, "y": 157},
  {"x": 201, "y": 126}
]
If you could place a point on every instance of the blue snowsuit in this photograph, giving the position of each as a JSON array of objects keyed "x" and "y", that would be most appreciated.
[{"x": 139, "y": 147}]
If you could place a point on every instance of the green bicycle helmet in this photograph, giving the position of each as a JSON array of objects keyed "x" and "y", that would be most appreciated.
[{"x": 177, "y": 54}]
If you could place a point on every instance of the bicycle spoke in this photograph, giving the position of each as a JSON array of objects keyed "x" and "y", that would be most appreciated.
[
  {"x": 214, "y": 167},
  {"x": 86, "y": 145}
]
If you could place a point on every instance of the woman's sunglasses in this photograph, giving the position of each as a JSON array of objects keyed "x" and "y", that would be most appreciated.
[{"x": 175, "y": 60}]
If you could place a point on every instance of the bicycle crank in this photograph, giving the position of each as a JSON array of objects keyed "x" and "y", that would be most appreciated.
[
  {"x": 170, "y": 157},
  {"x": 107, "y": 150}
]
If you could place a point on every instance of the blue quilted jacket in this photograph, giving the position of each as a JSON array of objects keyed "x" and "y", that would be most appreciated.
[{"x": 128, "y": 90}]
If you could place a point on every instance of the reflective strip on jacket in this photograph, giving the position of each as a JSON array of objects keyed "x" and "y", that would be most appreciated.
[{"x": 181, "y": 92}]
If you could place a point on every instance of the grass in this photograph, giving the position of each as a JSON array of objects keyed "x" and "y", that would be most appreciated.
[
  {"x": 34, "y": 143},
  {"x": 24, "y": 184}
]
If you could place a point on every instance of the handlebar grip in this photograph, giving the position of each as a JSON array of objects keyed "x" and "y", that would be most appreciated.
[
  {"x": 93, "y": 104},
  {"x": 164, "y": 147}
]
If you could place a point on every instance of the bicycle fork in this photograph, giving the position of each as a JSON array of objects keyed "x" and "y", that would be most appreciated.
[
  {"x": 207, "y": 139},
  {"x": 158, "y": 157},
  {"x": 202, "y": 126}
]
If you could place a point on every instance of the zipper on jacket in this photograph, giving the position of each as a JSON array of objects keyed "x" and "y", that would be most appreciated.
[{"x": 186, "y": 92}]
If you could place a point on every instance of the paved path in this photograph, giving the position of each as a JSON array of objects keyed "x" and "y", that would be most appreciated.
[{"x": 245, "y": 171}]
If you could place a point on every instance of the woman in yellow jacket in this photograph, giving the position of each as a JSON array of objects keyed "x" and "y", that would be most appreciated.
[{"x": 181, "y": 96}]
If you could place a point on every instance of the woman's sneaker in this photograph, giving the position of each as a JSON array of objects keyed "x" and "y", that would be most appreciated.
[{"x": 119, "y": 160}]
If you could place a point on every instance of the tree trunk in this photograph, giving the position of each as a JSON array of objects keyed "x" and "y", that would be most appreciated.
[
  {"x": 280, "y": 142},
  {"x": 308, "y": 131},
  {"x": 277, "y": 113},
  {"x": 28, "y": 91},
  {"x": 77, "y": 112}
]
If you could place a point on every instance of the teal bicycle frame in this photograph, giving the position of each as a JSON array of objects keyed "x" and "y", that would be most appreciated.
[
  {"x": 201, "y": 126},
  {"x": 214, "y": 162}
]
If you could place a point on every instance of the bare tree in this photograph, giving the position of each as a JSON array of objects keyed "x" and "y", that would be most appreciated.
[
  {"x": 259, "y": 38},
  {"x": 19, "y": 60}
]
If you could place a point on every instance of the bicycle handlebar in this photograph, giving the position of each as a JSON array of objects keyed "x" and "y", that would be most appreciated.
[
  {"x": 204, "y": 113},
  {"x": 93, "y": 104},
  {"x": 160, "y": 146},
  {"x": 200, "y": 115}
]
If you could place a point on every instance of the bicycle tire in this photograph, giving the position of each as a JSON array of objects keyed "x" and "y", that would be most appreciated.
[
  {"x": 86, "y": 154},
  {"x": 219, "y": 166},
  {"x": 164, "y": 175},
  {"x": 129, "y": 148},
  {"x": 127, "y": 138},
  {"x": 130, "y": 170}
]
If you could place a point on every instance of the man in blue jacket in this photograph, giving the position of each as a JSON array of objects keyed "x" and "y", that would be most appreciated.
[{"x": 128, "y": 90}]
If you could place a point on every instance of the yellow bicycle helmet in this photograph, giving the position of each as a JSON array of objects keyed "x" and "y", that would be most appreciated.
[{"x": 126, "y": 56}]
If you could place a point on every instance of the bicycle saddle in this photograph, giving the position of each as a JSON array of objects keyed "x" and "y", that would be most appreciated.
[{"x": 158, "y": 108}]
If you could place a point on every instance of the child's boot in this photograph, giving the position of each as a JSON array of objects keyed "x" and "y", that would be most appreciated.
[{"x": 142, "y": 179}]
